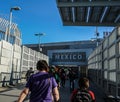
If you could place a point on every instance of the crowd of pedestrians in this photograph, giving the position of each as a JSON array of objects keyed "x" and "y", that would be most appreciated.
[{"x": 44, "y": 85}]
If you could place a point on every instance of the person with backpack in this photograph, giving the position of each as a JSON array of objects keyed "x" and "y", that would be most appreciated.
[{"x": 83, "y": 94}]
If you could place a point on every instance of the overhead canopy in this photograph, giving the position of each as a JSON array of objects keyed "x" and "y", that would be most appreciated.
[{"x": 89, "y": 12}]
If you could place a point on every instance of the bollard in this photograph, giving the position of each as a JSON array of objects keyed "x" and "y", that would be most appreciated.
[{"x": 3, "y": 82}]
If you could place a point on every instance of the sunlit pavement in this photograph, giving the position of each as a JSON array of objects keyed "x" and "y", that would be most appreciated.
[{"x": 11, "y": 94}]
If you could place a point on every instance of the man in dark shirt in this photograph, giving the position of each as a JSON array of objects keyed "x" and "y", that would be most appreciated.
[{"x": 29, "y": 73}]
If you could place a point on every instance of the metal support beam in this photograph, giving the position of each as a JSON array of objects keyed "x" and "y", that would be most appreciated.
[
  {"x": 65, "y": 23},
  {"x": 88, "y": 3}
]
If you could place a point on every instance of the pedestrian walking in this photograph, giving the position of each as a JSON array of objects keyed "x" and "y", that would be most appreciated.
[
  {"x": 63, "y": 77},
  {"x": 42, "y": 86},
  {"x": 72, "y": 76},
  {"x": 83, "y": 94},
  {"x": 29, "y": 73},
  {"x": 56, "y": 75}
]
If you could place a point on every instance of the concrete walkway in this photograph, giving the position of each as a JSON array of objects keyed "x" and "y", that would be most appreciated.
[
  {"x": 64, "y": 92},
  {"x": 99, "y": 94}
]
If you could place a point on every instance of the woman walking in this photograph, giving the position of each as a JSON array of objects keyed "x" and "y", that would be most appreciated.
[{"x": 42, "y": 86}]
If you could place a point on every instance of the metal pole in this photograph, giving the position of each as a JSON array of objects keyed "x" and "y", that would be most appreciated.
[
  {"x": 39, "y": 43},
  {"x": 97, "y": 35},
  {"x": 9, "y": 28},
  {"x": 39, "y": 35},
  {"x": 8, "y": 38}
]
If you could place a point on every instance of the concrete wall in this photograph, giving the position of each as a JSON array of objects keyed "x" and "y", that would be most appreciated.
[
  {"x": 10, "y": 56},
  {"x": 104, "y": 63},
  {"x": 29, "y": 59},
  {"x": 15, "y": 61}
]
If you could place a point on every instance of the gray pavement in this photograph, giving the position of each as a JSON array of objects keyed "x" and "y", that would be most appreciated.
[
  {"x": 99, "y": 94},
  {"x": 11, "y": 94},
  {"x": 65, "y": 92}
]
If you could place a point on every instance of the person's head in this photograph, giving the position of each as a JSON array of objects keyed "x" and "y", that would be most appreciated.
[
  {"x": 55, "y": 68},
  {"x": 83, "y": 83},
  {"x": 31, "y": 68},
  {"x": 62, "y": 70},
  {"x": 42, "y": 65}
]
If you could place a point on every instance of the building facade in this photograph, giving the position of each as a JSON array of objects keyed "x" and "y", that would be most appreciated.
[{"x": 71, "y": 54}]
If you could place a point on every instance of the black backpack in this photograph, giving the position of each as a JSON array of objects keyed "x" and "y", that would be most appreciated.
[{"x": 82, "y": 96}]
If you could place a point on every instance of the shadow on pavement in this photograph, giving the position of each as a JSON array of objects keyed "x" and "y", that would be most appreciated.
[{"x": 9, "y": 95}]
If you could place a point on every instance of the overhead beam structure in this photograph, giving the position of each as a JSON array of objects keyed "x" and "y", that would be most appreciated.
[{"x": 89, "y": 12}]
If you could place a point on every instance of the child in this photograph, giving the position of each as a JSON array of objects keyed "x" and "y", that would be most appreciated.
[{"x": 82, "y": 94}]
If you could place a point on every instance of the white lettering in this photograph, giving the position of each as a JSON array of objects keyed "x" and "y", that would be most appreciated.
[
  {"x": 70, "y": 56},
  {"x": 57, "y": 56},
  {"x": 66, "y": 57},
  {"x": 74, "y": 57},
  {"x": 62, "y": 56},
  {"x": 79, "y": 56}
]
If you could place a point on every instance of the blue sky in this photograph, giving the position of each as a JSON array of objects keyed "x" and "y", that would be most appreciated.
[{"x": 42, "y": 16}]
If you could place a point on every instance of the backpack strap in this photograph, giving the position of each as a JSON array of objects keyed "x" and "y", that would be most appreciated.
[
  {"x": 92, "y": 95},
  {"x": 73, "y": 95},
  {"x": 85, "y": 94}
]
